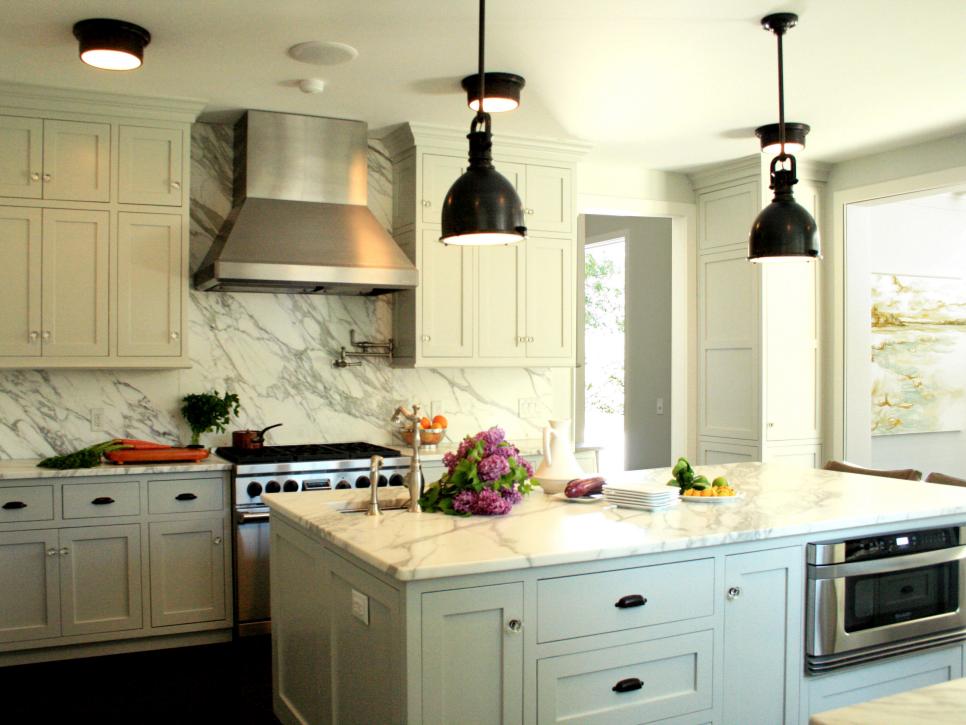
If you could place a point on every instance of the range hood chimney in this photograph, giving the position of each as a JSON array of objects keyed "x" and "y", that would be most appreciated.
[{"x": 299, "y": 222}]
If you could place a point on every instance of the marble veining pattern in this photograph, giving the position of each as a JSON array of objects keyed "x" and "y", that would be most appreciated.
[
  {"x": 274, "y": 351},
  {"x": 942, "y": 704},
  {"x": 779, "y": 501}
]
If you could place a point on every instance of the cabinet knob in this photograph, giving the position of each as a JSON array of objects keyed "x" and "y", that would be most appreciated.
[
  {"x": 175, "y": 184},
  {"x": 64, "y": 551},
  {"x": 46, "y": 334},
  {"x": 35, "y": 176},
  {"x": 427, "y": 202},
  {"x": 734, "y": 592},
  {"x": 771, "y": 425},
  {"x": 530, "y": 339},
  {"x": 426, "y": 338},
  {"x": 47, "y": 177},
  {"x": 174, "y": 335},
  {"x": 216, "y": 541},
  {"x": 51, "y": 552},
  {"x": 514, "y": 626},
  {"x": 33, "y": 335},
  {"x": 529, "y": 211}
]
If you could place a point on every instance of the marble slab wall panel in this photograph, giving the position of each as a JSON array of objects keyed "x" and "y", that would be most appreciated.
[{"x": 274, "y": 351}]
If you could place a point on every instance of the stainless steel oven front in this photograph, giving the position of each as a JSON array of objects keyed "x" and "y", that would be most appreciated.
[
  {"x": 879, "y": 596},
  {"x": 252, "y": 607}
]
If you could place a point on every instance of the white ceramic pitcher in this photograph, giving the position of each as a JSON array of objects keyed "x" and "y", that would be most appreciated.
[{"x": 559, "y": 465}]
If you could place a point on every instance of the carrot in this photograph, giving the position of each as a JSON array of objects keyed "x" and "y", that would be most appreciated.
[{"x": 138, "y": 445}]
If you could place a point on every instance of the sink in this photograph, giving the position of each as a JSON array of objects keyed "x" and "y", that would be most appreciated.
[{"x": 389, "y": 507}]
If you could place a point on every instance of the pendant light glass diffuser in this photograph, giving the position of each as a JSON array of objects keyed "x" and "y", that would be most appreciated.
[
  {"x": 482, "y": 208},
  {"x": 784, "y": 229}
]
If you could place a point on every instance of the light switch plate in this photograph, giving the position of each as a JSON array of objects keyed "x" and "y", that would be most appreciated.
[
  {"x": 529, "y": 407},
  {"x": 360, "y": 607},
  {"x": 659, "y": 408},
  {"x": 97, "y": 419}
]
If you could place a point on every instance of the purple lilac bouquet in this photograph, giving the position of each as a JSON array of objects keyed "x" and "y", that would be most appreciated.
[{"x": 487, "y": 476}]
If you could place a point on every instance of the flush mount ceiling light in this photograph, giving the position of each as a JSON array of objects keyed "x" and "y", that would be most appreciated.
[
  {"x": 502, "y": 91},
  {"x": 318, "y": 52},
  {"x": 482, "y": 207},
  {"x": 111, "y": 44},
  {"x": 795, "y": 134},
  {"x": 784, "y": 229}
]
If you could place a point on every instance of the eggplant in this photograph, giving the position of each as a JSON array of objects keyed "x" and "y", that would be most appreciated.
[{"x": 580, "y": 487}]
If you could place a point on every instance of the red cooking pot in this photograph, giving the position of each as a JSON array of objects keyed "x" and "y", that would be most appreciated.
[{"x": 248, "y": 439}]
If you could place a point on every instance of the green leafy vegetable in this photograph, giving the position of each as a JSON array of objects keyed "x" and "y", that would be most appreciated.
[
  {"x": 84, "y": 458},
  {"x": 208, "y": 411}
]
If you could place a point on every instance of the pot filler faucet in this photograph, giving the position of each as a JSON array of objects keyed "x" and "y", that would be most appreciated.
[{"x": 415, "y": 470}]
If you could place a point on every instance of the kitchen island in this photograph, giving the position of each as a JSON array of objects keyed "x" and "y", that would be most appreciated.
[{"x": 583, "y": 613}]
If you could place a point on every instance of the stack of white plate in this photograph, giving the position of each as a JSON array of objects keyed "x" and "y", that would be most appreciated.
[{"x": 642, "y": 496}]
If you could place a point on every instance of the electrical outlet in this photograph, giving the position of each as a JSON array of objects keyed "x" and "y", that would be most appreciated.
[
  {"x": 659, "y": 407},
  {"x": 529, "y": 407},
  {"x": 360, "y": 607},
  {"x": 97, "y": 419}
]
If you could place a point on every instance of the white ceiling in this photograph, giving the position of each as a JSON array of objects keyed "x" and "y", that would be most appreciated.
[{"x": 670, "y": 84}]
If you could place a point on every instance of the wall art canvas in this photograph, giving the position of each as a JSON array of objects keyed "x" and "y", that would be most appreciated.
[{"x": 918, "y": 354}]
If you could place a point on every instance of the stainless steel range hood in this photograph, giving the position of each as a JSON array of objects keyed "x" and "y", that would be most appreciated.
[{"x": 299, "y": 221}]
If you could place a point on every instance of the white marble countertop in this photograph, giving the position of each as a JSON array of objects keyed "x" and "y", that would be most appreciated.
[
  {"x": 778, "y": 501},
  {"x": 26, "y": 468},
  {"x": 942, "y": 704}
]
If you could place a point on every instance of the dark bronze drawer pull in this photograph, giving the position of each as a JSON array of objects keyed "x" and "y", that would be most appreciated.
[
  {"x": 102, "y": 500},
  {"x": 628, "y": 685},
  {"x": 9, "y": 505},
  {"x": 185, "y": 497},
  {"x": 630, "y": 600}
]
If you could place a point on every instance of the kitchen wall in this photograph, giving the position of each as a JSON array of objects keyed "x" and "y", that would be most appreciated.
[{"x": 274, "y": 351}]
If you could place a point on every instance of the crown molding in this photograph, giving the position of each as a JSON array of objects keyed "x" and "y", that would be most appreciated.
[{"x": 43, "y": 99}]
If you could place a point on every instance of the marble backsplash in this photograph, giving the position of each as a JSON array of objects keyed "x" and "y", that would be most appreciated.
[{"x": 274, "y": 351}]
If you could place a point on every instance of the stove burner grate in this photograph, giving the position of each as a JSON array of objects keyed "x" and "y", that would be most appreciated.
[{"x": 305, "y": 453}]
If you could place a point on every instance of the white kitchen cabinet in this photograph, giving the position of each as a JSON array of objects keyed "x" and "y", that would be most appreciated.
[
  {"x": 74, "y": 307},
  {"x": 509, "y": 306},
  {"x": 100, "y": 579},
  {"x": 21, "y": 157},
  {"x": 187, "y": 571},
  {"x": 150, "y": 161},
  {"x": 446, "y": 298},
  {"x": 472, "y": 655},
  {"x": 758, "y": 326},
  {"x": 763, "y": 625},
  {"x": 31, "y": 608},
  {"x": 20, "y": 248},
  {"x": 77, "y": 161},
  {"x": 150, "y": 279}
]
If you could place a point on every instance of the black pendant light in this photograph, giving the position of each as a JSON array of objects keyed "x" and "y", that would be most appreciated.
[
  {"x": 770, "y": 138},
  {"x": 502, "y": 91},
  {"x": 111, "y": 44},
  {"x": 482, "y": 207},
  {"x": 784, "y": 229}
]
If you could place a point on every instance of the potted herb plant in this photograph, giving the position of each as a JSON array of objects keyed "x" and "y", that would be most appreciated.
[{"x": 208, "y": 411}]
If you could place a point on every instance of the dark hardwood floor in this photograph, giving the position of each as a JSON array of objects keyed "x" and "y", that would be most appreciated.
[{"x": 219, "y": 683}]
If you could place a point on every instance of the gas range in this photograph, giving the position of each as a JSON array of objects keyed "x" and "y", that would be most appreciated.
[{"x": 308, "y": 468}]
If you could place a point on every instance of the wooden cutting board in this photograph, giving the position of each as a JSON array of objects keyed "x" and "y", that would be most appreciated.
[{"x": 157, "y": 455}]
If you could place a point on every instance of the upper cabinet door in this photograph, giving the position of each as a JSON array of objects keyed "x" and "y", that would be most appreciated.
[
  {"x": 150, "y": 166},
  {"x": 516, "y": 174},
  {"x": 149, "y": 283},
  {"x": 446, "y": 275},
  {"x": 726, "y": 215},
  {"x": 20, "y": 250},
  {"x": 501, "y": 283},
  {"x": 549, "y": 297},
  {"x": 77, "y": 160},
  {"x": 21, "y": 157},
  {"x": 548, "y": 199},
  {"x": 75, "y": 277},
  {"x": 439, "y": 173}
]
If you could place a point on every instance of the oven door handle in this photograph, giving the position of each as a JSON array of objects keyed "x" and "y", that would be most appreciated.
[
  {"x": 251, "y": 518},
  {"x": 883, "y": 566}
]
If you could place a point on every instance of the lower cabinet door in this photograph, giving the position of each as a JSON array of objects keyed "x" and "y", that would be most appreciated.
[
  {"x": 29, "y": 588},
  {"x": 762, "y": 636},
  {"x": 632, "y": 683},
  {"x": 187, "y": 571},
  {"x": 100, "y": 579},
  {"x": 472, "y": 655}
]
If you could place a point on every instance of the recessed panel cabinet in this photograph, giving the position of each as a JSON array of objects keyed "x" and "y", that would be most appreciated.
[
  {"x": 187, "y": 571},
  {"x": 20, "y": 275},
  {"x": 77, "y": 161},
  {"x": 447, "y": 298},
  {"x": 31, "y": 609},
  {"x": 21, "y": 157},
  {"x": 150, "y": 166}
]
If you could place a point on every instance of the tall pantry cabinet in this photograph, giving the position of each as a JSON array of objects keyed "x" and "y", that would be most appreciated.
[
  {"x": 490, "y": 306},
  {"x": 93, "y": 229},
  {"x": 759, "y": 384}
]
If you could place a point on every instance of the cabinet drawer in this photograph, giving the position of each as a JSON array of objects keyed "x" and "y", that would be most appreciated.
[
  {"x": 577, "y": 606},
  {"x": 177, "y": 496},
  {"x": 88, "y": 500},
  {"x": 662, "y": 678},
  {"x": 26, "y": 503}
]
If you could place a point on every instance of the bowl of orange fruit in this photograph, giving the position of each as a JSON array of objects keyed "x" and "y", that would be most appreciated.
[{"x": 431, "y": 431}]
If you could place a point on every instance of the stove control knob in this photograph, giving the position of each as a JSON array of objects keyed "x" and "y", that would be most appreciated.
[
  {"x": 396, "y": 480},
  {"x": 362, "y": 482},
  {"x": 272, "y": 487},
  {"x": 290, "y": 486},
  {"x": 343, "y": 484},
  {"x": 254, "y": 489},
  {"x": 383, "y": 481}
]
